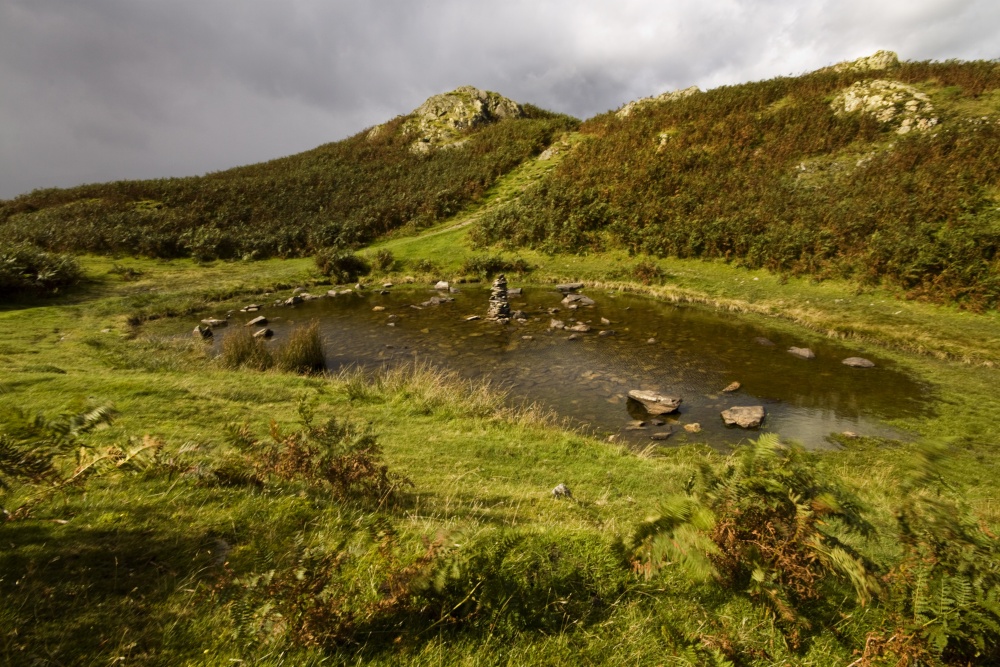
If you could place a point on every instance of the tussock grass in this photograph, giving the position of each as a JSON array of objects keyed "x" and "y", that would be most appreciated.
[
  {"x": 302, "y": 352},
  {"x": 240, "y": 350}
]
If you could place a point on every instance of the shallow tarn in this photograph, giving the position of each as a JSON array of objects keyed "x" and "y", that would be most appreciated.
[{"x": 684, "y": 351}]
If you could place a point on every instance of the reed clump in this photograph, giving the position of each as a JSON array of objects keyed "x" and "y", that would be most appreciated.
[{"x": 301, "y": 353}]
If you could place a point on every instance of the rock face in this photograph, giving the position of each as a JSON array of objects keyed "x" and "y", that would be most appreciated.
[
  {"x": 748, "y": 416},
  {"x": 499, "y": 310},
  {"x": 858, "y": 362},
  {"x": 655, "y": 404},
  {"x": 876, "y": 61},
  {"x": 889, "y": 102},
  {"x": 440, "y": 120},
  {"x": 670, "y": 96}
]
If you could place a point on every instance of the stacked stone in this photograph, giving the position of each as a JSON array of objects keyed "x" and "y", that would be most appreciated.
[{"x": 499, "y": 307}]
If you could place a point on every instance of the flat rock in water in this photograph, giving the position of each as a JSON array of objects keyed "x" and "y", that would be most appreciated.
[
  {"x": 215, "y": 323},
  {"x": 744, "y": 416},
  {"x": 514, "y": 291},
  {"x": 858, "y": 362},
  {"x": 378, "y": 309},
  {"x": 662, "y": 435},
  {"x": 693, "y": 428},
  {"x": 731, "y": 387},
  {"x": 263, "y": 333},
  {"x": 655, "y": 404},
  {"x": 569, "y": 287},
  {"x": 293, "y": 300},
  {"x": 579, "y": 327},
  {"x": 442, "y": 285},
  {"x": 760, "y": 340},
  {"x": 257, "y": 321},
  {"x": 577, "y": 300},
  {"x": 557, "y": 324},
  {"x": 472, "y": 318},
  {"x": 252, "y": 308},
  {"x": 608, "y": 332},
  {"x": 802, "y": 352}
]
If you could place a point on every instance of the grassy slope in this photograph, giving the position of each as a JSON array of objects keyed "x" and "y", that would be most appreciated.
[
  {"x": 144, "y": 566},
  {"x": 135, "y": 567},
  {"x": 766, "y": 174}
]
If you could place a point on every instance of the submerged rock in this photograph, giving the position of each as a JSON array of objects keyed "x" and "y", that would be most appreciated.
[
  {"x": 577, "y": 300},
  {"x": 263, "y": 333},
  {"x": 858, "y": 362},
  {"x": 655, "y": 404},
  {"x": 760, "y": 340},
  {"x": 744, "y": 416},
  {"x": 215, "y": 323},
  {"x": 802, "y": 352},
  {"x": 257, "y": 321}
]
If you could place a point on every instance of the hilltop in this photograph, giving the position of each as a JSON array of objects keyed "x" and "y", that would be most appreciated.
[
  {"x": 876, "y": 170},
  {"x": 341, "y": 194}
]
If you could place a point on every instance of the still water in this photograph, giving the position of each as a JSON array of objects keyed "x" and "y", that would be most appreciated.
[{"x": 683, "y": 351}]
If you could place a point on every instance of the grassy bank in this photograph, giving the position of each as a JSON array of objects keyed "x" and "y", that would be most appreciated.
[{"x": 186, "y": 560}]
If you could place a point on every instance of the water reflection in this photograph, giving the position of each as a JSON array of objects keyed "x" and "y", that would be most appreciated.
[{"x": 685, "y": 351}]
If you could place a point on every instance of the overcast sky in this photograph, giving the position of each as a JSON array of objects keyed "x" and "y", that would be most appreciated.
[{"x": 95, "y": 90}]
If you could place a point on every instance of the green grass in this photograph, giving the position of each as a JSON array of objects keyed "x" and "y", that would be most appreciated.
[{"x": 153, "y": 566}]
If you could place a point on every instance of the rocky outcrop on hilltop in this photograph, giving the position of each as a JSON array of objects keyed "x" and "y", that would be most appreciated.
[
  {"x": 441, "y": 120},
  {"x": 889, "y": 102},
  {"x": 670, "y": 96},
  {"x": 877, "y": 61}
]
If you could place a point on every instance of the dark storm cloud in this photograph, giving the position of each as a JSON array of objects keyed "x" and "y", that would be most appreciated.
[{"x": 142, "y": 88}]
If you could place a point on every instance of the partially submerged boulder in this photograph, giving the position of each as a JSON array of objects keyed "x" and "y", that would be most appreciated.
[
  {"x": 802, "y": 352},
  {"x": 858, "y": 362},
  {"x": 653, "y": 403},
  {"x": 578, "y": 300},
  {"x": 744, "y": 416}
]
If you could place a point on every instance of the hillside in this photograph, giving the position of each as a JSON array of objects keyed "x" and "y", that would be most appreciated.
[
  {"x": 413, "y": 170},
  {"x": 877, "y": 171}
]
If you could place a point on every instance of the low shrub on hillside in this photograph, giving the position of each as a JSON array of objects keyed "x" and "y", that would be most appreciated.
[
  {"x": 383, "y": 260},
  {"x": 944, "y": 594},
  {"x": 50, "y": 454},
  {"x": 335, "y": 455},
  {"x": 767, "y": 525},
  {"x": 491, "y": 265},
  {"x": 26, "y": 270},
  {"x": 340, "y": 265}
]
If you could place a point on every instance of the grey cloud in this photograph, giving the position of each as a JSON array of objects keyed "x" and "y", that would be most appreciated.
[{"x": 137, "y": 88}]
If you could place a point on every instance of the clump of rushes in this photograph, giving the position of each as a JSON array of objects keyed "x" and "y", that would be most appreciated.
[
  {"x": 303, "y": 352},
  {"x": 240, "y": 350}
]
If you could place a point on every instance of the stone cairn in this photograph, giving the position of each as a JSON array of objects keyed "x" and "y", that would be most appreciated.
[{"x": 499, "y": 307}]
